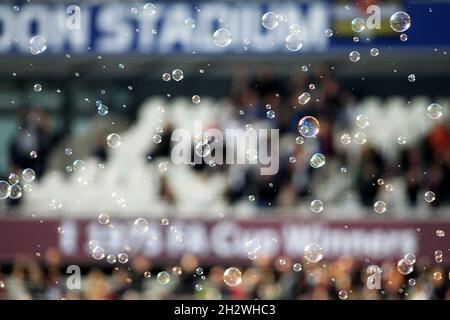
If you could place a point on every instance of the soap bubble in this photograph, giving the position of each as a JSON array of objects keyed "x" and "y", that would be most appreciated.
[
  {"x": 157, "y": 138},
  {"x": 38, "y": 44},
  {"x": 37, "y": 87},
  {"x": 28, "y": 175},
  {"x": 196, "y": 99},
  {"x": 149, "y": 9},
  {"x": 13, "y": 178},
  {"x": 140, "y": 225},
  {"x": 343, "y": 295},
  {"x": 434, "y": 111},
  {"x": 317, "y": 160},
  {"x": 293, "y": 42},
  {"x": 400, "y": 21},
  {"x": 163, "y": 166},
  {"x": 98, "y": 253},
  {"x": 437, "y": 276},
  {"x": 79, "y": 166},
  {"x": 313, "y": 252},
  {"x": 16, "y": 191},
  {"x": 114, "y": 140},
  {"x": 358, "y": 25},
  {"x": 410, "y": 258},
  {"x": 177, "y": 75},
  {"x": 346, "y": 139},
  {"x": 404, "y": 267},
  {"x": 304, "y": 98},
  {"x": 122, "y": 257},
  {"x": 269, "y": 20},
  {"x": 163, "y": 277},
  {"x": 412, "y": 77},
  {"x": 232, "y": 276},
  {"x": 202, "y": 149},
  {"x": 429, "y": 196},
  {"x": 354, "y": 56},
  {"x": 103, "y": 218},
  {"x": 297, "y": 267},
  {"x": 166, "y": 76},
  {"x": 190, "y": 23},
  {"x": 360, "y": 137},
  {"x": 379, "y": 206},
  {"x": 253, "y": 246},
  {"x": 270, "y": 114},
  {"x": 102, "y": 110},
  {"x": 222, "y": 37},
  {"x": 5, "y": 189},
  {"x": 328, "y": 33},
  {"x": 299, "y": 140},
  {"x": 374, "y": 52},
  {"x": 362, "y": 121},
  {"x": 316, "y": 206},
  {"x": 401, "y": 140},
  {"x": 308, "y": 127}
]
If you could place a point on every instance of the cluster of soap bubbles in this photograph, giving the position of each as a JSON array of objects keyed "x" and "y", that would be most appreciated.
[
  {"x": 438, "y": 256},
  {"x": 12, "y": 189}
]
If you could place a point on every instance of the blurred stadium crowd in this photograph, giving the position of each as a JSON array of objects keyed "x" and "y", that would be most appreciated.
[
  {"x": 419, "y": 163},
  {"x": 344, "y": 278}
]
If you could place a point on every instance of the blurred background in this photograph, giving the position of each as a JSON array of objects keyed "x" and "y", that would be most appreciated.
[{"x": 120, "y": 209}]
